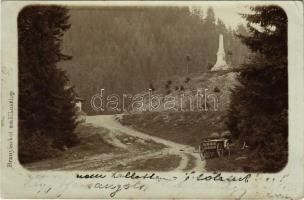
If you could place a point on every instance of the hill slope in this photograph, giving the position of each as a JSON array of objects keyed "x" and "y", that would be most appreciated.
[{"x": 184, "y": 122}]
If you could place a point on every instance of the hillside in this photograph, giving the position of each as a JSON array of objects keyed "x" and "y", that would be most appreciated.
[
  {"x": 185, "y": 124},
  {"x": 125, "y": 50}
]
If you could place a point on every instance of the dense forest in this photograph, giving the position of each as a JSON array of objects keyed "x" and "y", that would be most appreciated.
[
  {"x": 125, "y": 50},
  {"x": 46, "y": 100}
]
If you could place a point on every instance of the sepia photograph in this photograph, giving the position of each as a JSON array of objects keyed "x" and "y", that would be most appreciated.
[
  {"x": 152, "y": 100},
  {"x": 153, "y": 88}
]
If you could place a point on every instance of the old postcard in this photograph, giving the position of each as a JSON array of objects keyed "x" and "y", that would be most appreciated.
[{"x": 191, "y": 100}]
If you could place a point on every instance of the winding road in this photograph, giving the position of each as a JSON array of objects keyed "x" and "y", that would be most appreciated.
[
  {"x": 160, "y": 154},
  {"x": 184, "y": 151}
]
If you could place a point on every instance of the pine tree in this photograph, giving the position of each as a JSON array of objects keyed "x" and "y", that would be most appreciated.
[
  {"x": 46, "y": 107},
  {"x": 259, "y": 106},
  {"x": 210, "y": 18},
  {"x": 221, "y": 27}
]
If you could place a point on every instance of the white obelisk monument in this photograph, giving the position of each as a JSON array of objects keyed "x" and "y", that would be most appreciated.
[{"x": 220, "y": 61}]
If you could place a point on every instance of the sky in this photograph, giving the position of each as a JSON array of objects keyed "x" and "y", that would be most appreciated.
[{"x": 229, "y": 14}]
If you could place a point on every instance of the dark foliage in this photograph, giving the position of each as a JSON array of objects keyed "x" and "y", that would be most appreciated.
[
  {"x": 209, "y": 66},
  {"x": 259, "y": 107},
  {"x": 216, "y": 89},
  {"x": 152, "y": 87},
  {"x": 187, "y": 80},
  {"x": 46, "y": 102},
  {"x": 188, "y": 58}
]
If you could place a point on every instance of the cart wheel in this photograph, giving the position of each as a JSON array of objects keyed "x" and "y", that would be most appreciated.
[
  {"x": 201, "y": 152},
  {"x": 228, "y": 149},
  {"x": 206, "y": 154},
  {"x": 220, "y": 150}
]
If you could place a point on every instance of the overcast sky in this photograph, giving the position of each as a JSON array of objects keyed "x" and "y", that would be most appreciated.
[{"x": 229, "y": 13}]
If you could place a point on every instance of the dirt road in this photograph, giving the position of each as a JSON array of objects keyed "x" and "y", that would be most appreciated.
[
  {"x": 132, "y": 150},
  {"x": 185, "y": 152}
]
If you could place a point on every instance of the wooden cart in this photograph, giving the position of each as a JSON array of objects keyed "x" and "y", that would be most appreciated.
[{"x": 210, "y": 147}]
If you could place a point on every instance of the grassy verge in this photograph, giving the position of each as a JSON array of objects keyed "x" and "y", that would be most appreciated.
[
  {"x": 238, "y": 161},
  {"x": 165, "y": 163},
  {"x": 234, "y": 163},
  {"x": 181, "y": 127},
  {"x": 91, "y": 143}
]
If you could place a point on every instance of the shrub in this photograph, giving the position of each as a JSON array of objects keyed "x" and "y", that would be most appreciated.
[
  {"x": 151, "y": 87},
  {"x": 187, "y": 80},
  {"x": 209, "y": 65},
  {"x": 216, "y": 89}
]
